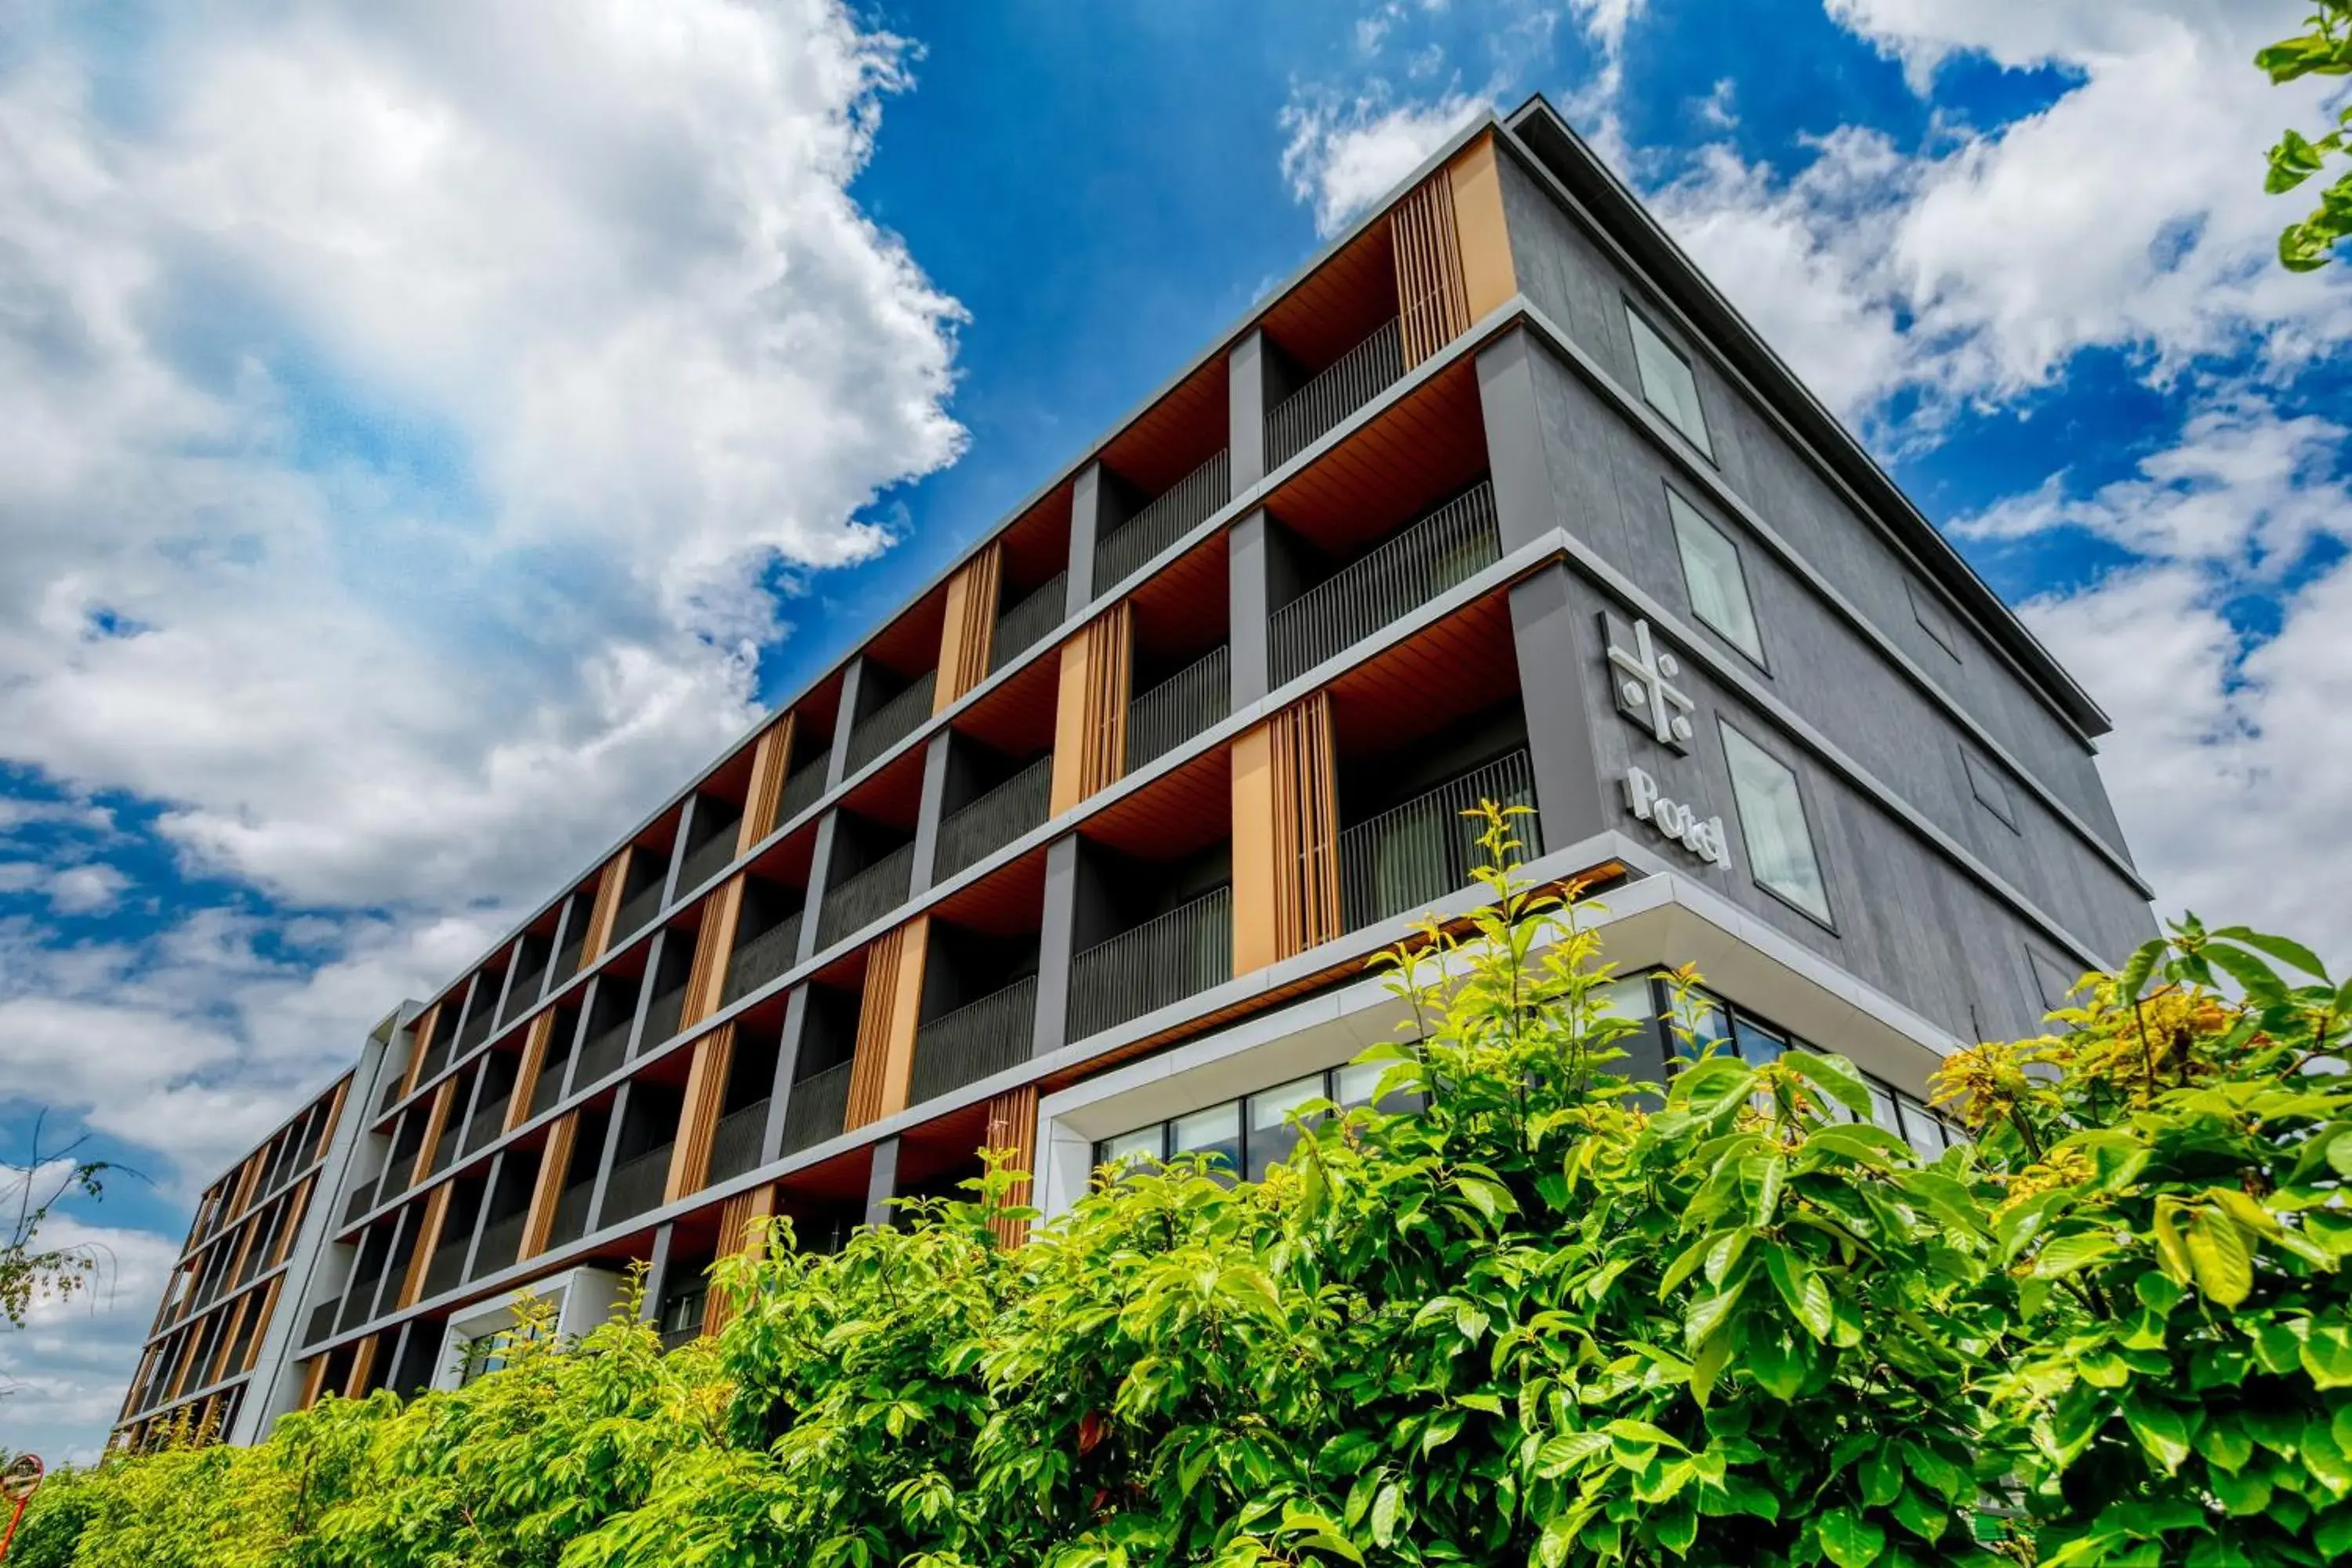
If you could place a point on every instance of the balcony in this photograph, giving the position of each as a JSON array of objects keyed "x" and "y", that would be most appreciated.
[
  {"x": 445, "y": 1150},
  {"x": 570, "y": 1219},
  {"x": 976, "y": 1040},
  {"x": 488, "y": 1122},
  {"x": 1449, "y": 546},
  {"x": 476, "y": 1028},
  {"x": 801, "y": 789},
  {"x": 892, "y": 722},
  {"x": 1316, "y": 409},
  {"x": 995, "y": 819},
  {"x": 865, "y": 896},
  {"x": 389, "y": 1097},
  {"x": 447, "y": 1268},
  {"x": 1161, "y": 962},
  {"x": 714, "y": 855},
  {"x": 548, "y": 1087},
  {"x": 358, "y": 1301},
  {"x": 323, "y": 1320},
  {"x": 603, "y": 1055},
  {"x": 1412, "y": 855},
  {"x": 636, "y": 1186},
  {"x": 1019, "y": 629},
  {"x": 639, "y": 910},
  {"x": 1184, "y": 506},
  {"x": 501, "y": 1240},
  {"x": 818, "y": 1106},
  {"x": 762, "y": 958},
  {"x": 1179, "y": 707},
  {"x": 363, "y": 1199},
  {"x": 735, "y": 1142}
]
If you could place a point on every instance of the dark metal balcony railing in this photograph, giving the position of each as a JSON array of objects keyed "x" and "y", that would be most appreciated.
[
  {"x": 436, "y": 1056},
  {"x": 1363, "y": 373},
  {"x": 735, "y": 1142},
  {"x": 637, "y": 913},
  {"x": 444, "y": 1149},
  {"x": 1412, "y": 855},
  {"x": 977, "y": 1039},
  {"x": 1177, "y": 512},
  {"x": 604, "y": 1054},
  {"x": 476, "y": 1028},
  {"x": 816, "y": 1109},
  {"x": 761, "y": 959},
  {"x": 1019, "y": 627},
  {"x": 1180, "y": 707},
  {"x": 447, "y": 1268},
  {"x": 570, "y": 1222},
  {"x": 363, "y": 1199},
  {"x": 488, "y": 1120},
  {"x": 662, "y": 1016},
  {"x": 989, "y": 823},
  {"x": 886, "y": 725},
  {"x": 636, "y": 1186},
  {"x": 575, "y": 942},
  {"x": 801, "y": 789},
  {"x": 863, "y": 897},
  {"x": 548, "y": 1087},
  {"x": 358, "y": 1301},
  {"x": 323, "y": 1320},
  {"x": 522, "y": 994},
  {"x": 684, "y": 1335},
  {"x": 1163, "y": 960},
  {"x": 1449, "y": 546},
  {"x": 708, "y": 859},
  {"x": 501, "y": 1240}
]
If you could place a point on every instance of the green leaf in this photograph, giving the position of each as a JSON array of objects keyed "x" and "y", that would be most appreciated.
[
  {"x": 2144, "y": 960},
  {"x": 2278, "y": 947},
  {"x": 1801, "y": 1287},
  {"x": 1881, "y": 1476},
  {"x": 1440, "y": 1430},
  {"x": 2160, "y": 1431},
  {"x": 1645, "y": 1433},
  {"x": 2070, "y": 1253},
  {"x": 2327, "y": 1354},
  {"x": 1385, "y": 1510},
  {"x": 1920, "y": 1517},
  {"x": 1849, "y": 1540},
  {"x": 1490, "y": 1198},
  {"x": 2240, "y": 1495},
  {"x": 2224, "y": 1446},
  {"x": 2261, "y": 982},
  {"x": 1565, "y": 1452},
  {"x": 2217, "y": 1252},
  {"x": 1833, "y": 1076}
]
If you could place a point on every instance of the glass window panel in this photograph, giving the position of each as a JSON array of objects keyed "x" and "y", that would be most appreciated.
[
  {"x": 1759, "y": 1047},
  {"x": 1216, "y": 1132},
  {"x": 1920, "y": 1127},
  {"x": 1354, "y": 1084},
  {"x": 1773, "y": 821},
  {"x": 1718, "y": 587},
  {"x": 1666, "y": 381},
  {"x": 1882, "y": 1108},
  {"x": 1705, "y": 1021},
  {"x": 1272, "y": 1134},
  {"x": 1138, "y": 1147}
]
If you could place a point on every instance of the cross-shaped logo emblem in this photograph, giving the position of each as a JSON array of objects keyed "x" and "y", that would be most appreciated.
[{"x": 1645, "y": 679}]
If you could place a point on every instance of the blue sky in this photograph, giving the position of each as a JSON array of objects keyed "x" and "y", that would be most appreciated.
[{"x": 433, "y": 432}]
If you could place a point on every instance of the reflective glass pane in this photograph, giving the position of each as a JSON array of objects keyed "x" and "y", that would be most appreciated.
[
  {"x": 1216, "y": 1132},
  {"x": 1718, "y": 589},
  {"x": 1666, "y": 381},
  {"x": 1882, "y": 1108},
  {"x": 1773, "y": 821},
  {"x": 1920, "y": 1127},
  {"x": 1272, "y": 1134},
  {"x": 1135, "y": 1148},
  {"x": 1759, "y": 1047},
  {"x": 1354, "y": 1084},
  {"x": 1702, "y": 1020}
]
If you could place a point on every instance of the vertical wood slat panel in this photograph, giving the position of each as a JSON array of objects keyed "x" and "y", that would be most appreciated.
[
  {"x": 420, "y": 1041},
  {"x": 298, "y": 1207},
  {"x": 886, "y": 1023},
  {"x": 428, "y": 1238},
  {"x": 705, "y": 1087},
  {"x": 261, "y": 1324},
  {"x": 363, "y": 1363},
  {"x": 1285, "y": 837},
  {"x": 216, "y": 1364},
  {"x": 1482, "y": 234},
  {"x": 437, "y": 1123},
  {"x": 971, "y": 626},
  {"x": 1090, "y": 716},
  {"x": 737, "y": 1216},
  {"x": 771, "y": 759},
  {"x": 607, "y": 908},
  {"x": 314, "y": 1382},
  {"x": 553, "y": 1163},
  {"x": 535, "y": 1041},
  {"x": 1432, "y": 304},
  {"x": 1013, "y": 1126},
  {"x": 713, "y": 944}
]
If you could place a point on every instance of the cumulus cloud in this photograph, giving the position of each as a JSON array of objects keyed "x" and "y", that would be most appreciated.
[{"x": 1346, "y": 153}]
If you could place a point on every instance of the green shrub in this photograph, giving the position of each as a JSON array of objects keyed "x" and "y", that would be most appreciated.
[{"x": 1554, "y": 1319}]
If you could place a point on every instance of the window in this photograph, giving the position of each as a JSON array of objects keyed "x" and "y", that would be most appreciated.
[
  {"x": 1929, "y": 611},
  {"x": 1719, "y": 588},
  {"x": 1986, "y": 784},
  {"x": 1666, "y": 381},
  {"x": 1252, "y": 1135},
  {"x": 1773, "y": 821}
]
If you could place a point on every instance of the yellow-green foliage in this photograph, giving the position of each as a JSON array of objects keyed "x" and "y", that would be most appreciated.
[{"x": 1555, "y": 1318}]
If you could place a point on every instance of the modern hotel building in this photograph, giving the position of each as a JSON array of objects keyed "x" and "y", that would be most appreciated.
[{"x": 1082, "y": 851}]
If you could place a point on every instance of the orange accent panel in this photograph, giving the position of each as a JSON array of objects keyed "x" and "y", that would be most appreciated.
[
  {"x": 607, "y": 908},
  {"x": 428, "y": 1238},
  {"x": 737, "y": 1217},
  {"x": 549, "y": 1186},
  {"x": 705, "y": 1087},
  {"x": 420, "y": 1040},
  {"x": 1286, "y": 837},
  {"x": 713, "y": 943},
  {"x": 1484, "y": 238},
  {"x": 1090, "y": 721},
  {"x": 1433, "y": 306},
  {"x": 534, "y": 1062},
  {"x": 436, "y": 1121},
  {"x": 1012, "y": 1125},
  {"x": 772, "y": 757},
  {"x": 363, "y": 1363},
  {"x": 886, "y": 1023},
  {"x": 314, "y": 1382},
  {"x": 971, "y": 626}
]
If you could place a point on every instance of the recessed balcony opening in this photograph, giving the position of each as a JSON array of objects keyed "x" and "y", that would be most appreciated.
[
  {"x": 813, "y": 717},
  {"x": 575, "y": 912},
  {"x": 738, "y": 1140},
  {"x": 481, "y": 1008},
  {"x": 1164, "y": 475},
  {"x": 445, "y": 1269},
  {"x": 649, "y": 873},
  {"x": 665, "y": 987},
  {"x": 714, "y": 818},
  {"x": 508, "y": 1212},
  {"x": 872, "y": 864},
  {"x": 1033, "y": 589},
  {"x": 817, "y": 1104},
  {"x": 767, "y": 935},
  {"x": 548, "y": 1087},
  {"x": 937, "y": 1158},
  {"x": 612, "y": 1013},
  {"x": 499, "y": 1069},
  {"x": 999, "y": 771},
  {"x": 897, "y": 677},
  {"x": 1180, "y": 679},
  {"x": 641, "y": 1157},
  {"x": 1398, "y": 515},
  {"x": 533, "y": 953},
  {"x": 433, "y": 1045},
  {"x": 979, "y": 1011},
  {"x": 419, "y": 1360},
  {"x": 826, "y": 1202},
  {"x": 570, "y": 1221},
  {"x": 686, "y": 1283},
  {"x": 405, "y": 1145},
  {"x": 1409, "y": 768},
  {"x": 1153, "y": 921},
  {"x": 1334, "y": 344}
]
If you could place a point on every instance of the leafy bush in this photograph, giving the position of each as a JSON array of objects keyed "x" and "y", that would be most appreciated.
[{"x": 1556, "y": 1318}]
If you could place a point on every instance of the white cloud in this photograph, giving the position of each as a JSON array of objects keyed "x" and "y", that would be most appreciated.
[
  {"x": 1346, "y": 153},
  {"x": 86, "y": 890},
  {"x": 62, "y": 1376}
]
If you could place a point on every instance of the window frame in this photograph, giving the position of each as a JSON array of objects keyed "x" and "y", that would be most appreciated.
[
  {"x": 1639, "y": 320},
  {"x": 1678, "y": 506},
  {"x": 1826, "y": 916},
  {"x": 1991, "y": 790}
]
